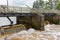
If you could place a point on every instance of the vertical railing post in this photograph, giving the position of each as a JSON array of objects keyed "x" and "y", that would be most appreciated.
[{"x": 7, "y": 6}]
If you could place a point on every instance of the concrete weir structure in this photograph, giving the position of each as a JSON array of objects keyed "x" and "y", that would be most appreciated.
[
  {"x": 31, "y": 18},
  {"x": 24, "y": 16},
  {"x": 35, "y": 21},
  {"x": 28, "y": 20}
]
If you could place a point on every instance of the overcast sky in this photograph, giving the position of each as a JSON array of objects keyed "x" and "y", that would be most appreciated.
[{"x": 18, "y": 2}]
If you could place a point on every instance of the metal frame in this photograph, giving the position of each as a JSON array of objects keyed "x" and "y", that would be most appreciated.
[{"x": 15, "y": 14}]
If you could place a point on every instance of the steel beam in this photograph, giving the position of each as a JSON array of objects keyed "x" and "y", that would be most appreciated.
[{"x": 15, "y": 14}]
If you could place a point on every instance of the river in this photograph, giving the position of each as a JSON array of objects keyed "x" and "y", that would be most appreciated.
[{"x": 5, "y": 21}]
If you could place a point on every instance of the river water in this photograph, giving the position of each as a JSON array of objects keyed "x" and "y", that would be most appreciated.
[
  {"x": 5, "y": 21},
  {"x": 52, "y": 32}
]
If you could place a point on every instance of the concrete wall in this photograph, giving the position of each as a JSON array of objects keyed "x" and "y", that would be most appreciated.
[{"x": 35, "y": 21}]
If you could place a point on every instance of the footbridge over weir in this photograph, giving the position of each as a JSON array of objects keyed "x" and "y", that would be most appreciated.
[{"x": 30, "y": 18}]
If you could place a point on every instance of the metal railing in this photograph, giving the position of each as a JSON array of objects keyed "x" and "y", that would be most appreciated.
[{"x": 13, "y": 9}]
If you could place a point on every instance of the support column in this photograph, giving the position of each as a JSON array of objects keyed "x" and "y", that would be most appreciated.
[
  {"x": 38, "y": 22},
  {"x": 42, "y": 22},
  {"x": 59, "y": 19},
  {"x": 58, "y": 16}
]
